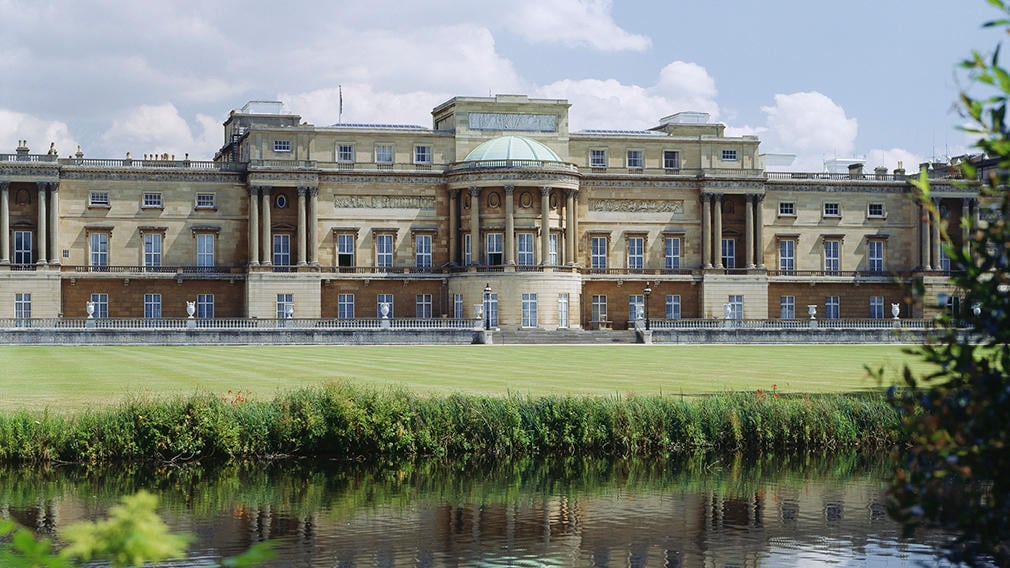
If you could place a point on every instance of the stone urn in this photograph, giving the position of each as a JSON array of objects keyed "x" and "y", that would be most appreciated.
[
  {"x": 812, "y": 310},
  {"x": 384, "y": 310},
  {"x": 190, "y": 309},
  {"x": 895, "y": 310},
  {"x": 90, "y": 307}
]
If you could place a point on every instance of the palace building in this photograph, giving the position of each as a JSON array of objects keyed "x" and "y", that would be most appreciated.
[{"x": 495, "y": 204}]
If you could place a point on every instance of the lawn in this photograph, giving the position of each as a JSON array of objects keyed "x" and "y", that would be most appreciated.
[{"x": 67, "y": 378}]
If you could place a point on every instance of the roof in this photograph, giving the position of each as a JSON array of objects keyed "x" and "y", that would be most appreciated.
[{"x": 511, "y": 148}]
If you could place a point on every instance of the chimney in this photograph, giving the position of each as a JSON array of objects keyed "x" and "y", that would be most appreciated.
[{"x": 856, "y": 171}]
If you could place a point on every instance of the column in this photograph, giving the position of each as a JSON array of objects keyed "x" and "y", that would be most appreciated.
[
  {"x": 265, "y": 228},
  {"x": 254, "y": 226},
  {"x": 575, "y": 226},
  {"x": 570, "y": 228},
  {"x": 474, "y": 225},
  {"x": 965, "y": 215},
  {"x": 924, "y": 237},
  {"x": 5, "y": 223},
  {"x": 453, "y": 226},
  {"x": 545, "y": 225},
  {"x": 300, "y": 226},
  {"x": 749, "y": 231},
  {"x": 706, "y": 230},
  {"x": 717, "y": 230},
  {"x": 42, "y": 236},
  {"x": 934, "y": 236},
  {"x": 759, "y": 222},
  {"x": 313, "y": 226},
  {"x": 510, "y": 225},
  {"x": 54, "y": 224}
]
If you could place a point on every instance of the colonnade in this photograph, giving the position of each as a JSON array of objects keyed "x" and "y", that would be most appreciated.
[
  {"x": 47, "y": 234},
  {"x": 711, "y": 230},
  {"x": 930, "y": 250},
  {"x": 261, "y": 227}
]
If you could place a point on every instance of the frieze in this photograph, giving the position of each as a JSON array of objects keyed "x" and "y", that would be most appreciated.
[
  {"x": 734, "y": 184},
  {"x": 302, "y": 178},
  {"x": 219, "y": 177},
  {"x": 386, "y": 178},
  {"x": 515, "y": 176},
  {"x": 675, "y": 206},
  {"x": 384, "y": 202},
  {"x": 512, "y": 121},
  {"x": 686, "y": 184},
  {"x": 17, "y": 173}
]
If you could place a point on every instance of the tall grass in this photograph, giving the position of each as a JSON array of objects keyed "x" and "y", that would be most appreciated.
[{"x": 348, "y": 422}]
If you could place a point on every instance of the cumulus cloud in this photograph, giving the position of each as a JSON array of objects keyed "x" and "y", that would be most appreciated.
[
  {"x": 39, "y": 133},
  {"x": 573, "y": 23},
  {"x": 810, "y": 125},
  {"x": 160, "y": 129},
  {"x": 364, "y": 104}
]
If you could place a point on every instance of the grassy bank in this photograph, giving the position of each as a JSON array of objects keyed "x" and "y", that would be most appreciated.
[{"x": 348, "y": 422}]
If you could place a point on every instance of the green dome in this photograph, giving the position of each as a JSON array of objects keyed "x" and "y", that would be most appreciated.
[{"x": 511, "y": 148}]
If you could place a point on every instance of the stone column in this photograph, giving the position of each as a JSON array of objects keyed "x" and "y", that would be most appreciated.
[
  {"x": 254, "y": 226},
  {"x": 545, "y": 225},
  {"x": 570, "y": 228},
  {"x": 265, "y": 229},
  {"x": 5, "y": 223},
  {"x": 313, "y": 226},
  {"x": 965, "y": 215},
  {"x": 42, "y": 235},
  {"x": 510, "y": 225},
  {"x": 749, "y": 231},
  {"x": 300, "y": 226},
  {"x": 475, "y": 225},
  {"x": 934, "y": 236},
  {"x": 717, "y": 230},
  {"x": 453, "y": 226},
  {"x": 54, "y": 224},
  {"x": 706, "y": 230},
  {"x": 759, "y": 223},
  {"x": 924, "y": 247},
  {"x": 575, "y": 227}
]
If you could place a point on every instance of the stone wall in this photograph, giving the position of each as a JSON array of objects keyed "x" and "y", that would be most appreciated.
[
  {"x": 239, "y": 337},
  {"x": 818, "y": 336}
]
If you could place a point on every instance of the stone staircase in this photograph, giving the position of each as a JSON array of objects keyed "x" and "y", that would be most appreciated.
[{"x": 563, "y": 337}]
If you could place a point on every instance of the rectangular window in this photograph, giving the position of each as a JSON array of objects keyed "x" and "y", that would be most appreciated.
[
  {"x": 491, "y": 309},
  {"x": 599, "y": 307},
  {"x": 787, "y": 307},
  {"x": 598, "y": 258},
  {"x": 466, "y": 250},
  {"x": 285, "y": 306},
  {"x": 422, "y": 154},
  {"x": 386, "y": 299},
  {"x": 345, "y": 153},
  {"x": 671, "y": 160},
  {"x": 671, "y": 253},
  {"x": 98, "y": 199},
  {"x": 205, "y": 201},
  {"x": 635, "y": 160},
  {"x": 945, "y": 261},
  {"x": 384, "y": 250},
  {"x": 787, "y": 209},
  {"x": 422, "y": 306},
  {"x": 877, "y": 307},
  {"x": 205, "y": 250},
  {"x": 345, "y": 306},
  {"x": 636, "y": 307},
  {"x": 735, "y": 307},
  {"x": 875, "y": 211},
  {"x": 458, "y": 311},
  {"x": 876, "y": 253},
  {"x": 422, "y": 251},
  {"x": 597, "y": 158},
  {"x": 832, "y": 210},
  {"x": 524, "y": 245},
  {"x": 152, "y": 306},
  {"x": 22, "y": 247},
  {"x": 529, "y": 310},
  {"x": 205, "y": 306},
  {"x": 282, "y": 145},
  {"x": 673, "y": 306},
  {"x": 345, "y": 250},
  {"x": 152, "y": 250},
  {"x": 729, "y": 253},
  {"x": 787, "y": 256},
  {"x": 152, "y": 201},
  {"x": 282, "y": 250},
  {"x": 831, "y": 257},
  {"x": 832, "y": 307},
  {"x": 636, "y": 253},
  {"x": 99, "y": 249},
  {"x": 101, "y": 303},
  {"x": 494, "y": 249},
  {"x": 23, "y": 305},
  {"x": 563, "y": 310},
  {"x": 552, "y": 250},
  {"x": 729, "y": 155},
  {"x": 384, "y": 153}
]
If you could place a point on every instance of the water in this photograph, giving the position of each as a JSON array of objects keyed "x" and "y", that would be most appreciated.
[{"x": 701, "y": 510}]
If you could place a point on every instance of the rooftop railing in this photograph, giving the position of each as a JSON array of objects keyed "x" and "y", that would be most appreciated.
[{"x": 203, "y": 165}]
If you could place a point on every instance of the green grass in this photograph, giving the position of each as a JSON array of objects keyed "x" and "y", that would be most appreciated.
[{"x": 71, "y": 378}]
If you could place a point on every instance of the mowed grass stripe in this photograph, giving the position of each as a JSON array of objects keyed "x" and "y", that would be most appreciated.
[{"x": 71, "y": 378}]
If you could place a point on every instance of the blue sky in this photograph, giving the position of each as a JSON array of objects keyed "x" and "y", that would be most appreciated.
[{"x": 820, "y": 80}]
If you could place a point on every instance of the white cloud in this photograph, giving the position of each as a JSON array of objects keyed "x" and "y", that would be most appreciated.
[
  {"x": 890, "y": 158},
  {"x": 363, "y": 104},
  {"x": 573, "y": 23},
  {"x": 39, "y": 133},
  {"x": 159, "y": 129},
  {"x": 810, "y": 125}
]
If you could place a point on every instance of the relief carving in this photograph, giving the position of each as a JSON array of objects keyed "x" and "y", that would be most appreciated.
[{"x": 675, "y": 206}]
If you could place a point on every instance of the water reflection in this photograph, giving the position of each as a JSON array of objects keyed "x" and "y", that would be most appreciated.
[{"x": 699, "y": 510}]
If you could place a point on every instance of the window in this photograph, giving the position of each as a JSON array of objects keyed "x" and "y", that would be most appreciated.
[
  {"x": 22, "y": 247},
  {"x": 282, "y": 250},
  {"x": 205, "y": 250},
  {"x": 494, "y": 249},
  {"x": 152, "y": 250},
  {"x": 636, "y": 307},
  {"x": 101, "y": 303},
  {"x": 99, "y": 249},
  {"x": 282, "y": 145},
  {"x": 635, "y": 160},
  {"x": 524, "y": 244},
  {"x": 458, "y": 311},
  {"x": 152, "y": 306},
  {"x": 729, "y": 155},
  {"x": 345, "y": 153},
  {"x": 384, "y": 250},
  {"x": 386, "y": 299},
  {"x": 729, "y": 253},
  {"x": 345, "y": 250},
  {"x": 735, "y": 303},
  {"x": 491, "y": 309},
  {"x": 831, "y": 257},
  {"x": 152, "y": 201},
  {"x": 787, "y": 307},
  {"x": 597, "y": 158},
  {"x": 422, "y": 154},
  {"x": 552, "y": 250},
  {"x": 98, "y": 199},
  {"x": 787, "y": 256},
  {"x": 422, "y": 251},
  {"x": 384, "y": 153},
  {"x": 671, "y": 160},
  {"x": 598, "y": 258},
  {"x": 875, "y": 211},
  {"x": 205, "y": 201},
  {"x": 529, "y": 310},
  {"x": 563, "y": 310},
  {"x": 285, "y": 306},
  {"x": 832, "y": 210},
  {"x": 599, "y": 307},
  {"x": 466, "y": 250},
  {"x": 671, "y": 253},
  {"x": 876, "y": 253},
  {"x": 23, "y": 305},
  {"x": 673, "y": 306},
  {"x": 876, "y": 307},
  {"x": 422, "y": 306},
  {"x": 345, "y": 306},
  {"x": 205, "y": 306},
  {"x": 945, "y": 261},
  {"x": 787, "y": 209},
  {"x": 636, "y": 253},
  {"x": 831, "y": 307}
]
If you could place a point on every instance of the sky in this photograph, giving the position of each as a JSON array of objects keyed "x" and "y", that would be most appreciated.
[{"x": 875, "y": 80}]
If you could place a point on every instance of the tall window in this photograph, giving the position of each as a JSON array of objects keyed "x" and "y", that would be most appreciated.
[
  {"x": 22, "y": 247},
  {"x": 422, "y": 154},
  {"x": 422, "y": 251},
  {"x": 23, "y": 305},
  {"x": 345, "y": 153},
  {"x": 205, "y": 250},
  {"x": 729, "y": 253},
  {"x": 636, "y": 307},
  {"x": 877, "y": 307},
  {"x": 466, "y": 250},
  {"x": 635, "y": 160},
  {"x": 345, "y": 306},
  {"x": 832, "y": 307},
  {"x": 491, "y": 309},
  {"x": 563, "y": 310},
  {"x": 345, "y": 250},
  {"x": 831, "y": 256},
  {"x": 99, "y": 249},
  {"x": 205, "y": 306},
  {"x": 494, "y": 249},
  {"x": 529, "y": 310},
  {"x": 597, "y": 158},
  {"x": 598, "y": 258},
  {"x": 152, "y": 249},
  {"x": 282, "y": 250},
  {"x": 152, "y": 306},
  {"x": 876, "y": 250},
  {"x": 599, "y": 307},
  {"x": 636, "y": 253},
  {"x": 383, "y": 299},
  {"x": 422, "y": 306},
  {"x": 524, "y": 246},
  {"x": 101, "y": 302},
  {"x": 384, "y": 153},
  {"x": 735, "y": 307},
  {"x": 458, "y": 311},
  {"x": 671, "y": 253},
  {"x": 787, "y": 307},
  {"x": 673, "y": 306},
  {"x": 944, "y": 261},
  {"x": 671, "y": 159},
  {"x": 285, "y": 305},
  {"x": 787, "y": 255},
  {"x": 384, "y": 250},
  {"x": 552, "y": 249}
]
